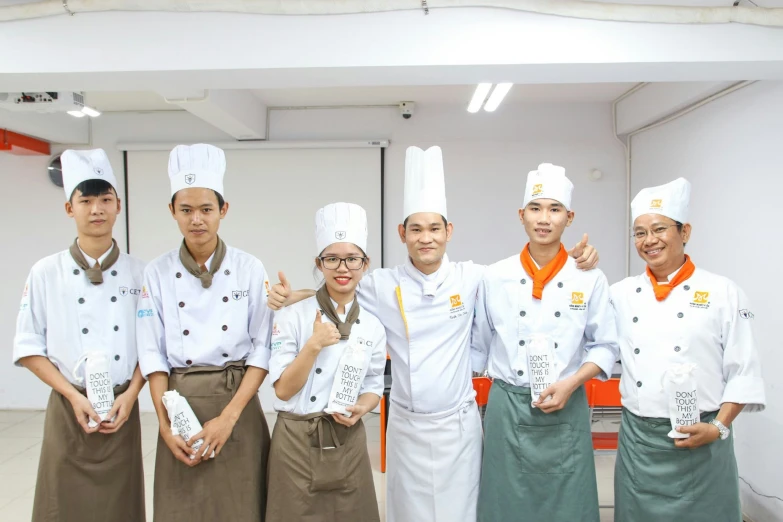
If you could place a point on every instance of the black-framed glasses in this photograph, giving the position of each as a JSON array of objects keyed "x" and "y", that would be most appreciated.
[{"x": 351, "y": 263}]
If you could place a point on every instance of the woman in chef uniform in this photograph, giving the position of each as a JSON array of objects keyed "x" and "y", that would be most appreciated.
[
  {"x": 541, "y": 320},
  {"x": 319, "y": 468},
  {"x": 674, "y": 314},
  {"x": 203, "y": 330},
  {"x": 75, "y": 303}
]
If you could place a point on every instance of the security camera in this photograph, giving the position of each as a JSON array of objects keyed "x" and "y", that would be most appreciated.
[{"x": 406, "y": 109}]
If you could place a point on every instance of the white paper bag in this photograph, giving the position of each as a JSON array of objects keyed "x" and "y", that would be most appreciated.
[
  {"x": 541, "y": 365},
  {"x": 348, "y": 379},
  {"x": 183, "y": 421},
  {"x": 96, "y": 379},
  {"x": 679, "y": 383}
]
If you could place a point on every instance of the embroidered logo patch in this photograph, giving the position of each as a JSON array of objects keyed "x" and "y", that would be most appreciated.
[
  {"x": 145, "y": 313},
  {"x": 190, "y": 179},
  {"x": 26, "y": 290},
  {"x": 123, "y": 291},
  {"x": 656, "y": 203},
  {"x": 144, "y": 293},
  {"x": 339, "y": 234},
  {"x": 275, "y": 330},
  {"x": 239, "y": 294},
  {"x": 578, "y": 301},
  {"x": 457, "y": 308},
  {"x": 98, "y": 171},
  {"x": 746, "y": 314},
  {"x": 701, "y": 299},
  {"x": 538, "y": 189}
]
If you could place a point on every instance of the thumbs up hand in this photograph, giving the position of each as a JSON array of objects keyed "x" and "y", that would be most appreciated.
[
  {"x": 324, "y": 333},
  {"x": 279, "y": 293}
]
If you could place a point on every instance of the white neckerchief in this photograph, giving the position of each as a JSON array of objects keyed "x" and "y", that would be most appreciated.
[
  {"x": 429, "y": 283},
  {"x": 91, "y": 261}
]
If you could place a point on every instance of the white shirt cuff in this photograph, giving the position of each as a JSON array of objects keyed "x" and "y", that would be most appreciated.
[{"x": 746, "y": 390}]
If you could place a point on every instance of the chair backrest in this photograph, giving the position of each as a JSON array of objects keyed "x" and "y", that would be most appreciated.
[
  {"x": 603, "y": 394},
  {"x": 482, "y": 386}
]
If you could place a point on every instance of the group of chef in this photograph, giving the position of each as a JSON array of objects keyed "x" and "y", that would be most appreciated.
[{"x": 204, "y": 321}]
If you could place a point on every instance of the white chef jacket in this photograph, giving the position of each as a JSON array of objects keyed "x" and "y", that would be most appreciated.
[
  {"x": 181, "y": 324},
  {"x": 63, "y": 316},
  {"x": 429, "y": 337},
  {"x": 706, "y": 321},
  {"x": 574, "y": 311},
  {"x": 294, "y": 326}
]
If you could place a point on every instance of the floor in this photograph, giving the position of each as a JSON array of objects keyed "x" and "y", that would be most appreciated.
[{"x": 20, "y": 446}]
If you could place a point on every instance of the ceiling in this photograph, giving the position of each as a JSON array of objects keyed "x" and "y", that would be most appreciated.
[
  {"x": 431, "y": 94},
  {"x": 694, "y": 3}
]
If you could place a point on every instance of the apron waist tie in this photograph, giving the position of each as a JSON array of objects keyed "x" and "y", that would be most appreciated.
[
  {"x": 316, "y": 423},
  {"x": 234, "y": 371}
]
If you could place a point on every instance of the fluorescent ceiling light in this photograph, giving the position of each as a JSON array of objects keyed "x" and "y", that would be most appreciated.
[
  {"x": 479, "y": 96},
  {"x": 89, "y": 111},
  {"x": 497, "y": 96},
  {"x": 77, "y": 114}
]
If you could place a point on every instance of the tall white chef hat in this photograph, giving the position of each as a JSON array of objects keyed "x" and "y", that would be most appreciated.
[
  {"x": 548, "y": 182},
  {"x": 671, "y": 200},
  {"x": 82, "y": 165},
  {"x": 199, "y": 165},
  {"x": 341, "y": 223},
  {"x": 425, "y": 186}
]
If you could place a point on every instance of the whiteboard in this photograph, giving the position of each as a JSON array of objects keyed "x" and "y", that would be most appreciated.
[{"x": 273, "y": 195}]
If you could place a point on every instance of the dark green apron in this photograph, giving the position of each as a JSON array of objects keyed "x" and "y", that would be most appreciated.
[
  {"x": 537, "y": 466},
  {"x": 654, "y": 480}
]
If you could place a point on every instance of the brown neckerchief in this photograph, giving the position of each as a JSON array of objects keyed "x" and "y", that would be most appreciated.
[
  {"x": 191, "y": 266},
  {"x": 95, "y": 273},
  {"x": 325, "y": 302}
]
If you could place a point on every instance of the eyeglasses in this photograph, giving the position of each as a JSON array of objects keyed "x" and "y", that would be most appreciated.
[
  {"x": 351, "y": 263},
  {"x": 658, "y": 231}
]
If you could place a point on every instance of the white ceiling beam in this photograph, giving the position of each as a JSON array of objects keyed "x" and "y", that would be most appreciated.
[
  {"x": 656, "y": 101},
  {"x": 237, "y": 113}
]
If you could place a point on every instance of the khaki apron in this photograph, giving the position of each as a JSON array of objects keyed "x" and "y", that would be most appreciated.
[
  {"x": 654, "y": 480},
  {"x": 232, "y": 486},
  {"x": 537, "y": 466},
  {"x": 320, "y": 471},
  {"x": 88, "y": 477}
]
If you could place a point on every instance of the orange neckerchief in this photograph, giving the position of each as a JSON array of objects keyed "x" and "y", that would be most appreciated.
[
  {"x": 662, "y": 291},
  {"x": 541, "y": 276}
]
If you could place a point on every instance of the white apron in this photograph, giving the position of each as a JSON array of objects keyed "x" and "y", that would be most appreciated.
[{"x": 434, "y": 464}]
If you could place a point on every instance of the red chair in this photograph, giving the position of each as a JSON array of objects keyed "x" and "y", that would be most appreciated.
[{"x": 603, "y": 395}]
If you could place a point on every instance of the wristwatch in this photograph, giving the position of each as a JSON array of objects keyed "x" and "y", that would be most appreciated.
[{"x": 724, "y": 431}]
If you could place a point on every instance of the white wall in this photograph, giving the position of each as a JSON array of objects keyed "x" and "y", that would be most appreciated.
[
  {"x": 730, "y": 151},
  {"x": 487, "y": 157}
]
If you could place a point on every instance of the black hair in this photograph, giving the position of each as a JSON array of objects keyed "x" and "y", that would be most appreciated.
[
  {"x": 679, "y": 226},
  {"x": 93, "y": 187},
  {"x": 220, "y": 199},
  {"x": 405, "y": 223}
]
